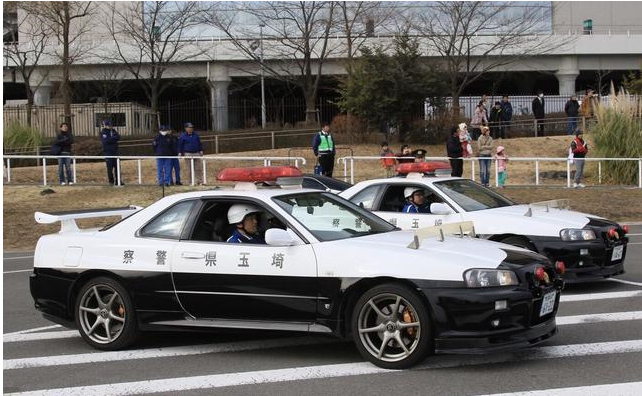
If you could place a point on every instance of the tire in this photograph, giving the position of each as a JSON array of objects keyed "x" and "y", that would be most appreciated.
[
  {"x": 110, "y": 324},
  {"x": 519, "y": 242},
  {"x": 383, "y": 324}
]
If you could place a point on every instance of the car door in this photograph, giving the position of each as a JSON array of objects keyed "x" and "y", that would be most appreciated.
[
  {"x": 391, "y": 202},
  {"x": 219, "y": 280}
]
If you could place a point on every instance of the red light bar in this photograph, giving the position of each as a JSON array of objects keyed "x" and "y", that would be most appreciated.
[
  {"x": 421, "y": 167},
  {"x": 257, "y": 173}
]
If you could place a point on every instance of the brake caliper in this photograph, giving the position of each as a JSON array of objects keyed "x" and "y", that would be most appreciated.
[{"x": 409, "y": 318}]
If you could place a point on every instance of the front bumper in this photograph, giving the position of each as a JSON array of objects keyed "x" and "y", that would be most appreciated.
[
  {"x": 463, "y": 318},
  {"x": 584, "y": 260}
]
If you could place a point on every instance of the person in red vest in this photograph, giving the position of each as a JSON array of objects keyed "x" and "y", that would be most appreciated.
[
  {"x": 387, "y": 160},
  {"x": 579, "y": 148}
]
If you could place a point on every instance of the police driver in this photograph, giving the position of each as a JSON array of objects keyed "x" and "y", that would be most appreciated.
[
  {"x": 415, "y": 200},
  {"x": 245, "y": 218}
]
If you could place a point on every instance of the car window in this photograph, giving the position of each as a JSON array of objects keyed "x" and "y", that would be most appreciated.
[
  {"x": 329, "y": 217},
  {"x": 334, "y": 184},
  {"x": 169, "y": 224},
  {"x": 472, "y": 196},
  {"x": 366, "y": 197},
  {"x": 311, "y": 183},
  {"x": 394, "y": 200}
]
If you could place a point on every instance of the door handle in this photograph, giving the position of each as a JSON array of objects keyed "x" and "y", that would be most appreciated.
[{"x": 193, "y": 255}]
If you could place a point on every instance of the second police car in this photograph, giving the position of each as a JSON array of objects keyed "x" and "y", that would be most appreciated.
[
  {"x": 327, "y": 266},
  {"x": 591, "y": 247}
]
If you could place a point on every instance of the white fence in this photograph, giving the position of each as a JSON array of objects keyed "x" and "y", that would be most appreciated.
[
  {"x": 266, "y": 161},
  {"x": 349, "y": 165}
]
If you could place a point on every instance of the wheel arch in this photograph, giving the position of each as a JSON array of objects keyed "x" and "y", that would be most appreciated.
[
  {"x": 503, "y": 237},
  {"x": 82, "y": 280}
]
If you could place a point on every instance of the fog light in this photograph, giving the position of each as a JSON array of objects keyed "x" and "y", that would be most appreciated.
[
  {"x": 501, "y": 305},
  {"x": 495, "y": 323},
  {"x": 584, "y": 252}
]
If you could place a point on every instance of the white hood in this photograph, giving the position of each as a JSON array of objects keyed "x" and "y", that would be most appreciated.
[
  {"x": 387, "y": 254},
  {"x": 513, "y": 220}
]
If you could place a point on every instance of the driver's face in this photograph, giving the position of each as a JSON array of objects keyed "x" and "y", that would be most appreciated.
[
  {"x": 419, "y": 198},
  {"x": 251, "y": 224}
]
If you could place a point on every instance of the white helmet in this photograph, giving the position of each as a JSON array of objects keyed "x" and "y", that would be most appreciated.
[
  {"x": 237, "y": 212},
  {"x": 408, "y": 191}
]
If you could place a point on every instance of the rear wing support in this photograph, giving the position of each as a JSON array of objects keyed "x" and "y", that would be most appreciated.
[
  {"x": 464, "y": 228},
  {"x": 68, "y": 219}
]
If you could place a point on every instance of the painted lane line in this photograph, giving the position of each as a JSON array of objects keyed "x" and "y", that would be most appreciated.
[
  {"x": 599, "y": 296},
  {"x": 634, "y": 234},
  {"x": 34, "y": 330},
  {"x": 597, "y": 318},
  {"x": 621, "y": 389},
  {"x": 51, "y": 335},
  {"x": 331, "y": 371},
  {"x": 83, "y": 358},
  {"x": 626, "y": 282},
  {"x": 634, "y": 243},
  {"x": 16, "y": 258},
  {"x": 16, "y": 271}
]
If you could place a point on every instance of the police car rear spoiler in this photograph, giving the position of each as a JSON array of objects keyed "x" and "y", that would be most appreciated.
[
  {"x": 68, "y": 219},
  {"x": 464, "y": 228}
]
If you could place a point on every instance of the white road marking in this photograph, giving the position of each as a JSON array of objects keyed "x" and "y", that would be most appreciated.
[
  {"x": 331, "y": 371},
  {"x": 626, "y": 282},
  {"x": 634, "y": 234},
  {"x": 50, "y": 335},
  {"x": 13, "y": 272},
  {"x": 16, "y": 258},
  {"x": 621, "y": 389},
  {"x": 596, "y": 318},
  {"x": 62, "y": 360},
  {"x": 34, "y": 330},
  {"x": 634, "y": 243},
  {"x": 599, "y": 296}
]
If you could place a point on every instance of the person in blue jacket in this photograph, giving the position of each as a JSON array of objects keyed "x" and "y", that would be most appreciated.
[
  {"x": 110, "y": 137},
  {"x": 189, "y": 145},
  {"x": 415, "y": 200},
  {"x": 324, "y": 149},
  {"x": 163, "y": 147},
  {"x": 245, "y": 219}
]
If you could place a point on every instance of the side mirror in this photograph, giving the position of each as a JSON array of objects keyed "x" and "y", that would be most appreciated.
[
  {"x": 440, "y": 209},
  {"x": 279, "y": 237}
]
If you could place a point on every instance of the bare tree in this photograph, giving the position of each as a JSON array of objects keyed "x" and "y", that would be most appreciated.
[
  {"x": 149, "y": 37},
  {"x": 474, "y": 38},
  {"x": 26, "y": 54},
  {"x": 300, "y": 36},
  {"x": 70, "y": 22}
]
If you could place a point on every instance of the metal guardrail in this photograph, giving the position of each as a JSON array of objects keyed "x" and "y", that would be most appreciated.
[
  {"x": 267, "y": 161},
  {"x": 536, "y": 160}
]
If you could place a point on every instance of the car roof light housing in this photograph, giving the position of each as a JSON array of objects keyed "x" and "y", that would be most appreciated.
[
  {"x": 257, "y": 174},
  {"x": 431, "y": 168}
]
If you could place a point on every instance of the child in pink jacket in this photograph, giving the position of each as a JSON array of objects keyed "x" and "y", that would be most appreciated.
[{"x": 502, "y": 163}]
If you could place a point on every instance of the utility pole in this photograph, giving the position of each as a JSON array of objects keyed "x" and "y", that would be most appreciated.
[{"x": 263, "y": 113}]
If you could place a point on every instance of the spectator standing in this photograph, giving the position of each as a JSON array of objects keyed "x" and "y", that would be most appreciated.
[
  {"x": 190, "y": 146},
  {"x": 62, "y": 146},
  {"x": 484, "y": 102},
  {"x": 506, "y": 117},
  {"x": 485, "y": 146},
  {"x": 502, "y": 164},
  {"x": 579, "y": 148},
  {"x": 572, "y": 110},
  {"x": 478, "y": 120},
  {"x": 324, "y": 149},
  {"x": 495, "y": 119},
  {"x": 454, "y": 151},
  {"x": 589, "y": 104},
  {"x": 465, "y": 140},
  {"x": 539, "y": 112},
  {"x": 110, "y": 137},
  {"x": 176, "y": 167},
  {"x": 162, "y": 144},
  {"x": 387, "y": 160},
  {"x": 405, "y": 152}
]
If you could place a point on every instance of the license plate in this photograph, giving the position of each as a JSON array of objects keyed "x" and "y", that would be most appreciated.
[
  {"x": 617, "y": 253},
  {"x": 548, "y": 303}
]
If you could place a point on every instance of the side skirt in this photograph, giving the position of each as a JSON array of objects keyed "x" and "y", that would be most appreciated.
[{"x": 246, "y": 324}]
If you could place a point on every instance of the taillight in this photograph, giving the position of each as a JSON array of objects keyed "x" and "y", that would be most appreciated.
[
  {"x": 540, "y": 274},
  {"x": 626, "y": 229},
  {"x": 560, "y": 267},
  {"x": 612, "y": 233}
]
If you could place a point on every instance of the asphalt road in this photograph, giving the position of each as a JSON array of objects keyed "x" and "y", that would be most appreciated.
[{"x": 598, "y": 351}]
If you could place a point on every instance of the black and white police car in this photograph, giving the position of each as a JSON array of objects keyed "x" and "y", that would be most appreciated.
[
  {"x": 327, "y": 266},
  {"x": 591, "y": 247}
]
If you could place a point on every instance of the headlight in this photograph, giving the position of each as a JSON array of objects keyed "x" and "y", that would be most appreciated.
[
  {"x": 480, "y": 277},
  {"x": 571, "y": 234}
]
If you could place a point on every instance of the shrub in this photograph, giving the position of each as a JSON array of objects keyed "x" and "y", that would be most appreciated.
[
  {"x": 617, "y": 134},
  {"x": 21, "y": 138},
  {"x": 351, "y": 130}
]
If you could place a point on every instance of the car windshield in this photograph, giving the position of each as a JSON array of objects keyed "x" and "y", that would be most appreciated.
[
  {"x": 471, "y": 196},
  {"x": 329, "y": 217}
]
